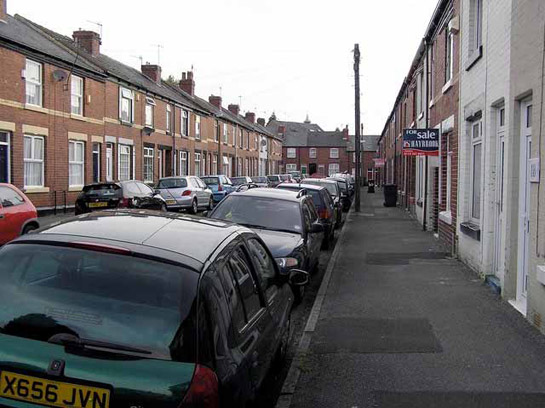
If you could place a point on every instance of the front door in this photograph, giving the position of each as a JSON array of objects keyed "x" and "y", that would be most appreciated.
[
  {"x": 524, "y": 204},
  {"x": 4, "y": 158},
  {"x": 499, "y": 214}
]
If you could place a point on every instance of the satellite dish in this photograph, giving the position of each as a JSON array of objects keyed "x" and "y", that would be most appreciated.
[
  {"x": 59, "y": 75},
  {"x": 263, "y": 142}
]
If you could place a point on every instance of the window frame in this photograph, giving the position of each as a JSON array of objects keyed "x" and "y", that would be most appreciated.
[
  {"x": 291, "y": 153},
  {"x": 449, "y": 54},
  {"x": 225, "y": 135},
  {"x": 476, "y": 141},
  {"x": 168, "y": 126},
  {"x": 122, "y": 150},
  {"x": 75, "y": 162},
  {"x": 33, "y": 159},
  {"x": 77, "y": 96},
  {"x": 123, "y": 95},
  {"x": 332, "y": 150},
  {"x": 149, "y": 112},
  {"x": 183, "y": 163},
  {"x": 96, "y": 150},
  {"x": 197, "y": 163},
  {"x": 336, "y": 166},
  {"x": 312, "y": 153},
  {"x": 185, "y": 123},
  {"x": 38, "y": 84},
  {"x": 197, "y": 127},
  {"x": 148, "y": 155}
]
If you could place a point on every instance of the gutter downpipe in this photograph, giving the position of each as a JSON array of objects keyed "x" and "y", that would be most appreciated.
[{"x": 426, "y": 48}]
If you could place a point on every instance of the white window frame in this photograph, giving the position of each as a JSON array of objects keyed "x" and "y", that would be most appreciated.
[
  {"x": 149, "y": 111},
  {"x": 147, "y": 165},
  {"x": 126, "y": 94},
  {"x": 73, "y": 162},
  {"x": 7, "y": 143},
  {"x": 312, "y": 153},
  {"x": 214, "y": 168},
  {"x": 334, "y": 168},
  {"x": 475, "y": 141},
  {"x": 197, "y": 127},
  {"x": 75, "y": 96},
  {"x": 291, "y": 153},
  {"x": 334, "y": 153},
  {"x": 34, "y": 159},
  {"x": 123, "y": 150},
  {"x": 109, "y": 161},
  {"x": 168, "y": 118},
  {"x": 234, "y": 135},
  {"x": 96, "y": 152},
  {"x": 449, "y": 55},
  {"x": 185, "y": 122},
  {"x": 197, "y": 164},
  {"x": 183, "y": 163},
  {"x": 476, "y": 19},
  {"x": 31, "y": 82},
  {"x": 291, "y": 167},
  {"x": 225, "y": 136}
]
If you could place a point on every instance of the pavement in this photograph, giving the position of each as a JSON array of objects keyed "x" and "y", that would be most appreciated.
[{"x": 402, "y": 325}]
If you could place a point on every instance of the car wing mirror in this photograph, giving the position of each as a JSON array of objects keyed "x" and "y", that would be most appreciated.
[
  {"x": 298, "y": 277},
  {"x": 316, "y": 228}
]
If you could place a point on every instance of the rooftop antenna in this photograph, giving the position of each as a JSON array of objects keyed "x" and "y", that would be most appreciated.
[
  {"x": 140, "y": 58},
  {"x": 98, "y": 24},
  {"x": 159, "y": 46},
  {"x": 221, "y": 89}
]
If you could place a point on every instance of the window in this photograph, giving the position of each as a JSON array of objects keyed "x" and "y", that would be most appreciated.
[
  {"x": 150, "y": 104},
  {"x": 476, "y": 169},
  {"x": 9, "y": 197},
  {"x": 96, "y": 162},
  {"x": 291, "y": 153},
  {"x": 419, "y": 92},
  {"x": 476, "y": 25},
  {"x": 312, "y": 153},
  {"x": 241, "y": 268},
  {"x": 265, "y": 268},
  {"x": 183, "y": 163},
  {"x": 246, "y": 167},
  {"x": 334, "y": 153},
  {"x": 215, "y": 164},
  {"x": 197, "y": 127},
  {"x": 334, "y": 168},
  {"x": 225, "y": 138},
  {"x": 185, "y": 122},
  {"x": 197, "y": 164},
  {"x": 431, "y": 56},
  {"x": 34, "y": 161},
  {"x": 76, "y": 155},
  {"x": 449, "y": 54},
  {"x": 109, "y": 161},
  {"x": 240, "y": 139},
  {"x": 234, "y": 133},
  {"x": 226, "y": 165},
  {"x": 126, "y": 105},
  {"x": 148, "y": 164},
  {"x": 216, "y": 131},
  {"x": 169, "y": 118},
  {"x": 33, "y": 83},
  {"x": 77, "y": 95},
  {"x": 291, "y": 167},
  {"x": 124, "y": 165}
]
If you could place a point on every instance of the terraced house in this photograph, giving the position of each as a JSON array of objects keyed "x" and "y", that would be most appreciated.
[{"x": 70, "y": 115}]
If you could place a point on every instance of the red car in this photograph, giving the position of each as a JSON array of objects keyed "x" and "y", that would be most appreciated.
[{"x": 18, "y": 215}]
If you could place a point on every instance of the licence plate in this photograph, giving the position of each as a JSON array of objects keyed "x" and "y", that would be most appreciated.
[
  {"x": 97, "y": 205},
  {"x": 37, "y": 390},
  {"x": 170, "y": 202}
]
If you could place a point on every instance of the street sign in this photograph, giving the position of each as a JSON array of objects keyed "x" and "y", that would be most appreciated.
[
  {"x": 421, "y": 142},
  {"x": 379, "y": 162}
]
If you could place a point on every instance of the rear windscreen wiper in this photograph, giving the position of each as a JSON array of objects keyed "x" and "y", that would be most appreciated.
[{"x": 70, "y": 340}]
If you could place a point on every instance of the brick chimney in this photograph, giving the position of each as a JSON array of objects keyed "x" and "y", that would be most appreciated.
[
  {"x": 88, "y": 40},
  {"x": 3, "y": 10},
  {"x": 250, "y": 117},
  {"x": 234, "y": 109},
  {"x": 345, "y": 133},
  {"x": 215, "y": 100},
  {"x": 282, "y": 129},
  {"x": 153, "y": 72},
  {"x": 261, "y": 121},
  {"x": 187, "y": 84}
]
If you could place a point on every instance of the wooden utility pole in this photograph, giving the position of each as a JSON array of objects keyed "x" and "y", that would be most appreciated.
[{"x": 357, "y": 140}]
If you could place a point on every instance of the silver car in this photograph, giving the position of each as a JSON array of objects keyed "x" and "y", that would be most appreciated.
[{"x": 187, "y": 192}]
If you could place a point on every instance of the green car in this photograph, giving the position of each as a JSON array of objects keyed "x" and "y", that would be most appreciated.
[{"x": 140, "y": 309}]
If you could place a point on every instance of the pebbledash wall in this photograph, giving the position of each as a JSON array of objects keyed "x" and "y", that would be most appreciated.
[{"x": 41, "y": 136}]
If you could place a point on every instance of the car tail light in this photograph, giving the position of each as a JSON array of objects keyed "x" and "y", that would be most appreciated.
[
  {"x": 323, "y": 213},
  {"x": 203, "y": 391},
  {"x": 186, "y": 193},
  {"x": 220, "y": 187},
  {"x": 110, "y": 249}
]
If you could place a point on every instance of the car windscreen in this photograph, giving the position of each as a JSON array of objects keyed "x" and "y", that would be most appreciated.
[
  {"x": 267, "y": 213},
  {"x": 125, "y": 300},
  {"x": 330, "y": 186},
  {"x": 315, "y": 194},
  {"x": 342, "y": 186},
  {"x": 172, "y": 183},
  {"x": 210, "y": 181},
  {"x": 237, "y": 181},
  {"x": 102, "y": 190},
  {"x": 273, "y": 178}
]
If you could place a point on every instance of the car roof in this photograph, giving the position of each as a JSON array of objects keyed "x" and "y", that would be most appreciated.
[
  {"x": 191, "y": 237},
  {"x": 301, "y": 186},
  {"x": 174, "y": 177},
  {"x": 275, "y": 193},
  {"x": 321, "y": 180}
]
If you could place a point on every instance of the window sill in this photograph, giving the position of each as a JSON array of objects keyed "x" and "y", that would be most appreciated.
[
  {"x": 124, "y": 123},
  {"x": 446, "y": 217},
  {"x": 447, "y": 86},
  {"x": 475, "y": 56},
  {"x": 34, "y": 190},
  {"x": 77, "y": 117},
  {"x": 36, "y": 108},
  {"x": 472, "y": 230},
  {"x": 73, "y": 189}
]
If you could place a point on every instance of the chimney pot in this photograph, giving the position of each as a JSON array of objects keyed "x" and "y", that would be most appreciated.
[
  {"x": 234, "y": 109},
  {"x": 88, "y": 40},
  {"x": 261, "y": 121},
  {"x": 187, "y": 84},
  {"x": 153, "y": 72},
  {"x": 215, "y": 100},
  {"x": 250, "y": 117}
]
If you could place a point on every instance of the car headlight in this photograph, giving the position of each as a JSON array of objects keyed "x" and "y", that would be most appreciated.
[{"x": 287, "y": 262}]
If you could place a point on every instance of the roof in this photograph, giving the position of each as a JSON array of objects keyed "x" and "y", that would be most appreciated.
[
  {"x": 326, "y": 139},
  {"x": 190, "y": 236},
  {"x": 369, "y": 143},
  {"x": 275, "y": 193},
  {"x": 295, "y": 132}
]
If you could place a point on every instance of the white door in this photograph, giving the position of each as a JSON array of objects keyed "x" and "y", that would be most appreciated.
[
  {"x": 524, "y": 203},
  {"x": 4, "y": 158},
  {"x": 109, "y": 162},
  {"x": 499, "y": 213}
]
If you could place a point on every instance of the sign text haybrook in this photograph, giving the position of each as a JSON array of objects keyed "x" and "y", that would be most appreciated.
[{"x": 420, "y": 142}]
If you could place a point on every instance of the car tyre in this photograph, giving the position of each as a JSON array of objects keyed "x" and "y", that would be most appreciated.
[
  {"x": 29, "y": 228},
  {"x": 211, "y": 204},
  {"x": 164, "y": 207},
  {"x": 282, "y": 351},
  {"x": 327, "y": 241},
  {"x": 194, "y": 207}
]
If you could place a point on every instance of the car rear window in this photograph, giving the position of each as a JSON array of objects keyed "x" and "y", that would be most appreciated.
[
  {"x": 102, "y": 190},
  {"x": 273, "y": 178},
  {"x": 315, "y": 194},
  {"x": 237, "y": 181},
  {"x": 46, "y": 290},
  {"x": 214, "y": 181},
  {"x": 330, "y": 186},
  {"x": 172, "y": 183},
  {"x": 284, "y": 177},
  {"x": 259, "y": 179}
]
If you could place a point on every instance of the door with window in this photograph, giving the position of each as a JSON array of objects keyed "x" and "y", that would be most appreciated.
[
  {"x": 4, "y": 157},
  {"x": 498, "y": 201},
  {"x": 524, "y": 202}
]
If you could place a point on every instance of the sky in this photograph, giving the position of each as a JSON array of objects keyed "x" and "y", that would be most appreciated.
[{"x": 291, "y": 57}]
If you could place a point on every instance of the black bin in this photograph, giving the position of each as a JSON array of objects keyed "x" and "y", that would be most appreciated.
[
  {"x": 390, "y": 195},
  {"x": 371, "y": 186}
]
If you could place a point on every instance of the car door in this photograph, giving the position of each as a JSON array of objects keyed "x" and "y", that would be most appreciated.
[
  {"x": 203, "y": 194},
  {"x": 11, "y": 216}
]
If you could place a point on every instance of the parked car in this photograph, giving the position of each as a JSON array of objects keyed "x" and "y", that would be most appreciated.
[
  {"x": 274, "y": 180},
  {"x": 334, "y": 191},
  {"x": 124, "y": 194},
  {"x": 18, "y": 216},
  {"x": 238, "y": 181},
  {"x": 189, "y": 193},
  {"x": 324, "y": 205},
  {"x": 123, "y": 309},
  {"x": 287, "y": 222},
  {"x": 261, "y": 181},
  {"x": 349, "y": 179},
  {"x": 296, "y": 175},
  {"x": 220, "y": 185},
  {"x": 346, "y": 199},
  {"x": 287, "y": 178}
]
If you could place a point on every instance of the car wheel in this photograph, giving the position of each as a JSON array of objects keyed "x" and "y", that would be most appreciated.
[
  {"x": 298, "y": 293},
  {"x": 194, "y": 207},
  {"x": 283, "y": 347},
  {"x": 326, "y": 241},
  {"x": 164, "y": 207},
  {"x": 29, "y": 228},
  {"x": 211, "y": 203}
]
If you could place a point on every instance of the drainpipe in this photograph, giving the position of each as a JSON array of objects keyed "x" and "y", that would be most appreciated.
[{"x": 425, "y": 207}]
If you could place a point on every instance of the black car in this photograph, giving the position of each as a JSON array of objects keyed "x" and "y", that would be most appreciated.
[
  {"x": 346, "y": 198},
  {"x": 287, "y": 221},
  {"x": 334, "y": 191},
  {"x": 124, "y": 194},
  {"x": 128, "y": 307},
  {"x": 324, "y": 205}
]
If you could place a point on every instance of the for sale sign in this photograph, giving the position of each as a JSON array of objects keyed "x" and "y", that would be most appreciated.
[
  {"x": 379, "y": 162},
  {"x": 421, "y": 142}
]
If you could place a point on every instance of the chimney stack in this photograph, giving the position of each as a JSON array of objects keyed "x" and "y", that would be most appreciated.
[
  {"x": 88, "y": 40},
  {"x": 153, "y": 72},
  {"x": 215, "y": 100},
  {"x": 282, "y": 129},
  {"x": 234, "y": 109},
  {"x": 261, "y": 121},
  {"x": 3, "y": 10},
  {"x": 187, "y": 84},
  {"x": 345, "y": 133},
  {"x": 250, "y": 117}
]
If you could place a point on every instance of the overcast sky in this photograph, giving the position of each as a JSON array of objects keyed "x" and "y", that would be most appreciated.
[{"x": 293, "y": 57}]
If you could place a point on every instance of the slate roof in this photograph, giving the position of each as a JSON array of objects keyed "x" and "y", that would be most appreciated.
[
  {"x": 305, "y": 134},
  {"x": 369, "y": 143},
  {"x": 326, "y": 139}
]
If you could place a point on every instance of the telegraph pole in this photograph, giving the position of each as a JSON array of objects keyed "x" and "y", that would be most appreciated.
[{"x": 357, "y": 140}]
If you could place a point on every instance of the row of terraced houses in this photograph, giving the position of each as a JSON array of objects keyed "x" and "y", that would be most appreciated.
[
  {"x": 70, "y": 115},
  {"x": 478, "y": 78}
]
